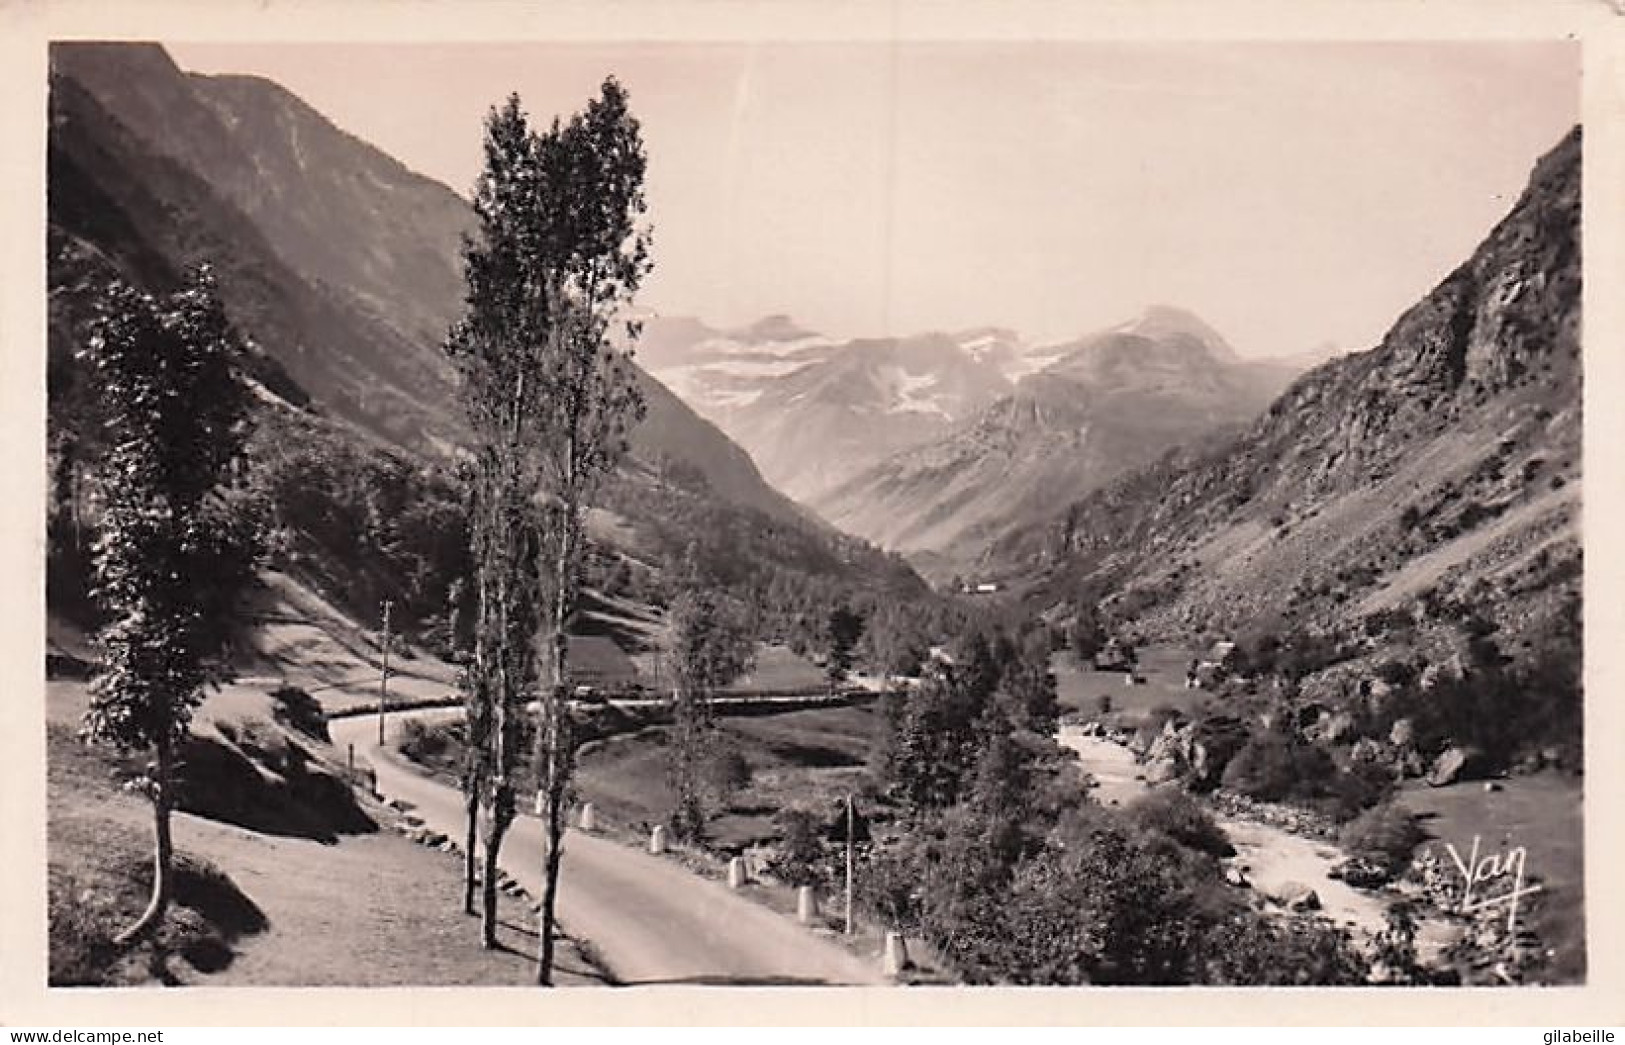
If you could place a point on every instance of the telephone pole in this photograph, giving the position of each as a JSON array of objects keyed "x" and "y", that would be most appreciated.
[
  {"x": 850, "y": 817},
  {"x": 383, "y": 679}
]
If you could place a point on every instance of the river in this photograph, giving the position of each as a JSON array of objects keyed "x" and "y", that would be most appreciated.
[{"x": 1272, "y": 858}]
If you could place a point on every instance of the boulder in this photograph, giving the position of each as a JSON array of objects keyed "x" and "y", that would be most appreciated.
[
  {"x": 1366, "y": 750},
  {"x": 1332, "y": 727},
  {"x": 1455, "y": 763},
  {"x": 1360, "y": 873},
  {"x": 1162, "y": 770},
  {"x": 1170, "y": 744},
  {"x": 1295, "y": 896},
  {"x": 1288, "y": 894}
]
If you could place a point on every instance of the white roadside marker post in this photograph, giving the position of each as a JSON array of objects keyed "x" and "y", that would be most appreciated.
[
  {"x": 896, "y": 958},
  {"x": 806, "y": 905}
]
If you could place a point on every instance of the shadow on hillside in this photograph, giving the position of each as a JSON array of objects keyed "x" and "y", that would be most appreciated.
[
  {"x": 815, "y": 756},
  {"x": 207, "y": 915},
  {"x": 257, "y": 779},
  {"x": 228, "y": 912}
]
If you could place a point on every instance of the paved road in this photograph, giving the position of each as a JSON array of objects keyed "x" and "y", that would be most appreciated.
[{"x": 649, "y": 919}]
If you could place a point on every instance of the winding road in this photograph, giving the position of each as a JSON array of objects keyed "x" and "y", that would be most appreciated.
[{"x": 649, "y": 919}]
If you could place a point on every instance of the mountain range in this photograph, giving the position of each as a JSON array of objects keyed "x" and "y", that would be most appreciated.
[
  {"x": 1146, "y": 466},
  {"x": 1106, "y": 403},
  {"x": 935, "y": 444},
  {"x": 1434, "y": 478},
  {"x": 814, "y": 412},
  {"x": 343, "y": 267}
]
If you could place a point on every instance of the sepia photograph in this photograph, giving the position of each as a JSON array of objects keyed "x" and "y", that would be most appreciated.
[{"x": 888, "y": 513}]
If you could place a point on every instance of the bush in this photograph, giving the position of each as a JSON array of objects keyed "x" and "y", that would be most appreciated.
[
  {"x": 1276, "y": 766},
  {"x": 421, "y": 742},
  {"x": 1182, "y": 818},
  {"x": 298, "y": 710},
  {"x": 1255, "y": 951},
  {"x": 1386, "y": 835},
  {"x": 1221, "y": 736},
  {"x": 1356, "y": 786},
  {"x": 801, "y": 848},
  {"x": 728, "y": 773}
]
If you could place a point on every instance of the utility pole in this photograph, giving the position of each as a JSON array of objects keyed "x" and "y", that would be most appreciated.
[
  {"x": 383, "y": 679},
  {"x": 850, "y": 832}
]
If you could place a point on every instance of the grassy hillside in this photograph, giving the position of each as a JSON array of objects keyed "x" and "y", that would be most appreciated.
[
  {"x": 286, "y": 877},
  {"x": 1434, "y": 478}
]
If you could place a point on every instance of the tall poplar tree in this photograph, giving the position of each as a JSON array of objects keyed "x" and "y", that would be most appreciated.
[
  {"x": 551, "y": 400},
  {"x": 173, "y": 552},
  {"x": 498, "y": 348},
  {"x": 711, "y": 645},
  {"x": 594, "y": 254}
]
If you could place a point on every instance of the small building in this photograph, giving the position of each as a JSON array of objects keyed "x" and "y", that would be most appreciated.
[
  {"x": 1115, "y": 655},
  {"x": 1222, "y": 656},
  {"x": 1214, "y": 666}
]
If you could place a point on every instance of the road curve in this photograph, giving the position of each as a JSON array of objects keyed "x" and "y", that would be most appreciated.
[{"x": 649, "y": 919}]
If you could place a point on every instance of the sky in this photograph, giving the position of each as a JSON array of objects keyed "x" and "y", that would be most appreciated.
[{"x": 1294, "y": 195}]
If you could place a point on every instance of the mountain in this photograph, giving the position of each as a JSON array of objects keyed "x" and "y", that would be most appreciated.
[
  {"x": 1434, "y": 478},
  {"x": 1106, "y": 403},
  {"x": 341, "y": 264},
  {"x": 813, "y": 412},
  {"x": 362, "y": 252}
]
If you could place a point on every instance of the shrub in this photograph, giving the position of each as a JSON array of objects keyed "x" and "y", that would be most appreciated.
[
  {"x": 1221, "y": 736},
  {"x": 1276, "y": 766},
  {"x": 1256, "y": 951},
  {"x": 728, "y": 773},
  {"x": 1182, "y": 818},
  {"x": 1386, "y": 835},
  {"x": 297, "y": 709},
  {"x": 1355, "y": 787},
  {"x": 801, "y": 848},
  {"x": 1397, "y": 672},
  {"x": 421, "y": 741}
]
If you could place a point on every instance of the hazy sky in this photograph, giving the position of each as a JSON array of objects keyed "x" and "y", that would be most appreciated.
[{"x": 1291, "y": 194}]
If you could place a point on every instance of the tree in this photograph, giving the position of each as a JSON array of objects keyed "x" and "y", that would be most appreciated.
[
  {"x": 841, "y": 633},
  {"x": 1086, "y": 636},
  {"x": 498, "y": 350},
  {"x": 173, "y": 554},
  {"x": 711, "y": 646},
  {"x": 561, "y": 254},
  {"x": 594, "y": 257}
]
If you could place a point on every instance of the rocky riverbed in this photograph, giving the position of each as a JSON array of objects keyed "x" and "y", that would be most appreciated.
[{"x": 1293, "y": 870}]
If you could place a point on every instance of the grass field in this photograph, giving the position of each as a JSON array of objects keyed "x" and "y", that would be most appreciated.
[
  {"x": 779, "y": 669},
  {"x": 1162, "y": 667},
  {"x": 805, "y": 758},
  {"x": 261, "y": 902},
  {"x": 1544, "y": 813}
]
